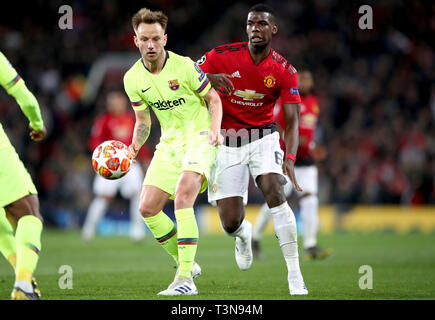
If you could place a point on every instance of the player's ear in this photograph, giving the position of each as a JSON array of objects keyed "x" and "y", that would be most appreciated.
[
  {"x": 274, "y": 29},
  {"x": 165, "y": 39},
  {"x": 136, "y": 41}
]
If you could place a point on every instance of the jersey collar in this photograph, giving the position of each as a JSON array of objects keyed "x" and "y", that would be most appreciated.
[{"x": 164, "y": 63}]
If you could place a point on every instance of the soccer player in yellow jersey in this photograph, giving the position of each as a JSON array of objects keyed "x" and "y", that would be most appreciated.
[
  {"x": 190, "y": 113},
  {"x": 18, "y": 195}
]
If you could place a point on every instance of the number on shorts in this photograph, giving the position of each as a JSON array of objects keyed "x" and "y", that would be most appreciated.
[{"x": 278, "y": 158}]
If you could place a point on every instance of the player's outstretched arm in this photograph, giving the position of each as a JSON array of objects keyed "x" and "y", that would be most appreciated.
[
  {"x": 291, "y": 137},
  {"x": 215, "y": 108},
  {"x": 141, "y": 131}
]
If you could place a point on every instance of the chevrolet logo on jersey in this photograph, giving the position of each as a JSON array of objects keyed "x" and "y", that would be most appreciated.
[
  {"x": 166, "y": 105},
  {"x": 248, "y": 94}
]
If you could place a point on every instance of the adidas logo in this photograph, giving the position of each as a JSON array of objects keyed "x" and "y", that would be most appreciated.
[{"x": 236, "y": 74}]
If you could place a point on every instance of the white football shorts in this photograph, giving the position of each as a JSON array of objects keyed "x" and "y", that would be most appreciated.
[
  {"x": 229, "y": 175},
  {"x": 128, "y": 185}
]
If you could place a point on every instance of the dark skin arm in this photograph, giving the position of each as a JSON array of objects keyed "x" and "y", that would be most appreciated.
[
  {"x": 221, "y": 82},
  {"x": 291, "y": 138}
]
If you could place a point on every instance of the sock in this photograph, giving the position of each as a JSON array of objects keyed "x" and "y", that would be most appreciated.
[
  {"x": 187, "y": 240},
  {"x": 261, "y": 223},
  {"x": 284, "y": 223},
  {"x": 96, "y": 211},
  {"x": 137, "y": 227},
  {"x": 164, "y": 230},
  {"x": 7, "y": 239},
  {"x": 241, "y": 232},
  {"x": 28, "y": 244},
  {"x": 310, "y": 220}
]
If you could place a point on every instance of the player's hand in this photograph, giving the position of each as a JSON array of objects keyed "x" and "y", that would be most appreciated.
[
  {"x": 134, "y": 151},
  {"x": 215, "y": 138},
  {"x": 38, "y": 135},
  {"x": 221, "y": 82},
  {"x": 288, "y": 168}
]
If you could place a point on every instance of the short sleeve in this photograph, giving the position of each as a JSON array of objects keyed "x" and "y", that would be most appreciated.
[
  {"x": 207, "y": 62},
  {"x": 197, "y": 78},
  {"x": 8, "y": 75},
  {"x": 130, "y": 88},
  {"x": 289, "y": 88}
]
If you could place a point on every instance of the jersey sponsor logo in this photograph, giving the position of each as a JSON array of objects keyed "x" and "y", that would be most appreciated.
[
  {"x": 166, "y": 105},
  {"x": 173, "y": 84},
  {"x": 145, "y": 90},
  {"x": 201, "y": 60},
  {"x": 247, "y": 103},
  {"x": 236, "y": 74},
  {"x": 248, "y": 95},
  {"x": 269, "y": 81},
  {"x": 294, "y": 91}
]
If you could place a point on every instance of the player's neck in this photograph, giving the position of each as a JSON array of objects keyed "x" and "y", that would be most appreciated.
[
  {"x": 155, "y": 66},
  {"x": 258, "y": 54}
]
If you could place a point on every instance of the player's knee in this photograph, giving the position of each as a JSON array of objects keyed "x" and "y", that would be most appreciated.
[
  {"x": 275, "y": 197},
  {"x": 183, "y": 199},
  {"x": 231, "y": 225},
  {"x": 147, "y": 210}
]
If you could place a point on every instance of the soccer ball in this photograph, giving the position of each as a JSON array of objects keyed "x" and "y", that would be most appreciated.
[{"x": 112, "y": 159}]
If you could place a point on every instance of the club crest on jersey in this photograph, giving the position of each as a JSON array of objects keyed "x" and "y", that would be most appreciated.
[
  {"x": 269, "y": 81},
  {"x": 173, "y": 84}
]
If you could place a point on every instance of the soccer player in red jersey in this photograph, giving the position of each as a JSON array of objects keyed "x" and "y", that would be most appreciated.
[
  {"x": 305, "y": 170},
  {"x": 115, "y": 124},
  {"x": 250, "y": 77}
]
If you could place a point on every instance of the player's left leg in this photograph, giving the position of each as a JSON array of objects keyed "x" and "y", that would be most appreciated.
[
  {"x": 187, "y": 190},
  {"x": 284, "y": 223},
  {"x": 262, "y": 221},
  {"x": 7, "y": 239},
  {"x": 266, "y": 168}
]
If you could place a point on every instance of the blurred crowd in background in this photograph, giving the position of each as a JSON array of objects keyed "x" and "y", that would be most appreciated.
[{"x": 375, "y": 87}]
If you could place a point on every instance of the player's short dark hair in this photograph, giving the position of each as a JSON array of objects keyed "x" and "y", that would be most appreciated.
[
  {"x": 261, "y": 7},
  {"x": 147, "y": 16}
]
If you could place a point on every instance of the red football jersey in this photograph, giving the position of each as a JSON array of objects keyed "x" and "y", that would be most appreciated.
[
  {"x": 307, "y": 124},
  {"x": 256, "y": 88}
]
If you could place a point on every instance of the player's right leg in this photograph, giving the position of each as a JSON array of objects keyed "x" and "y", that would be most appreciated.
[
  {"x": 152, "y": 201},
  {"x": 28, "y": 245},
  {"x": 228, "y": 188},
  {"x": 18, "y": 196}
]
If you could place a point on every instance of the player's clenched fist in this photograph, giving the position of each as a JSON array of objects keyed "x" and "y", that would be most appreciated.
[{"x": 38, "y": 135}]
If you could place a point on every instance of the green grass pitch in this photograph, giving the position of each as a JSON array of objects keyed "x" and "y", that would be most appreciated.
[{"x": 115, "y": 268}]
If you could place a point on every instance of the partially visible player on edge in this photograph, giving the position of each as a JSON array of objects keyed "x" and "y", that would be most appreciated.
[
  {"x": 117, "y": 123},
  {"x": 18, "y": 195},
  {"x": 305, "y": 170},
  {"x": 251, "y": 76},
  {"x": 179, "y": 94}
]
